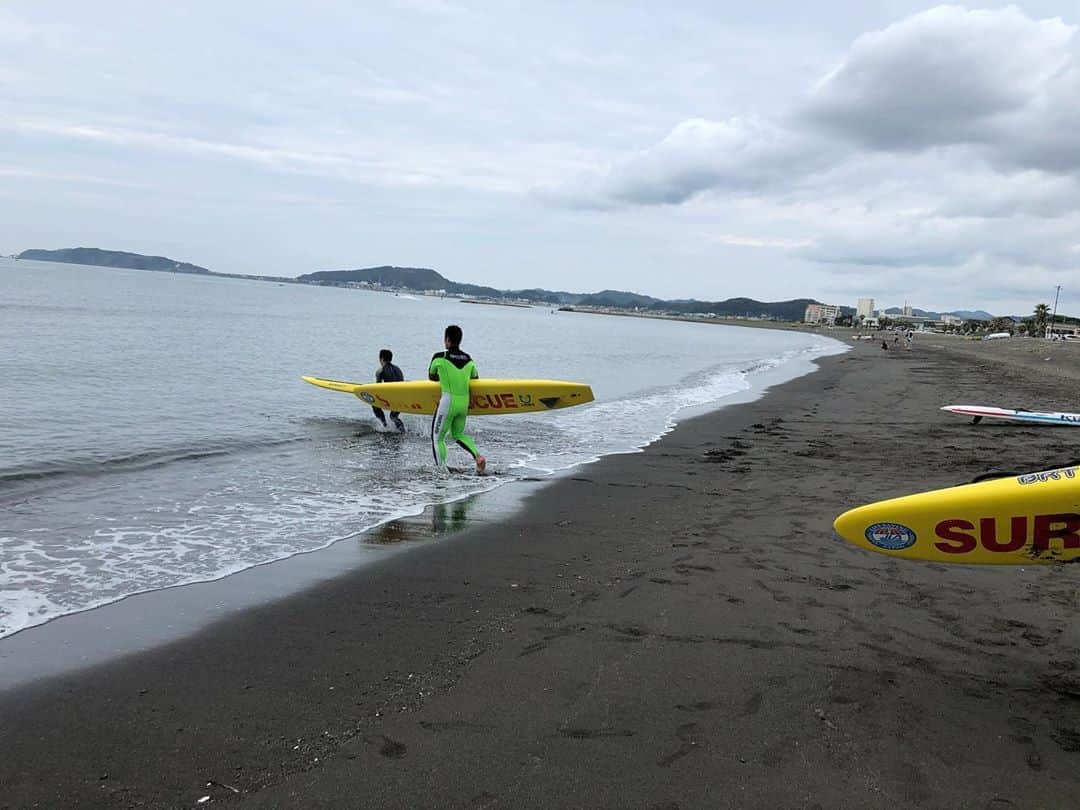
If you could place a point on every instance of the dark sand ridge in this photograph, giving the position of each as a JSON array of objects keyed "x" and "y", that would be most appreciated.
[{"x": 678, "y": 628}]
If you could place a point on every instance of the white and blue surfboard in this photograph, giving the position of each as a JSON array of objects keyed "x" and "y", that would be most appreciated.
[{"x": 979, "y": 412}]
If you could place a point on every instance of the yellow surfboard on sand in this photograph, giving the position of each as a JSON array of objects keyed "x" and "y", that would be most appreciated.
[
  {"x": 487, "y": 397},
  {"x": 1019, "y": 520}
]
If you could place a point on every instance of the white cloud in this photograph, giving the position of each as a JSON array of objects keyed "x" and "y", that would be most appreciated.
[
  {"x": 430, "y": 6},
  {"x": 946, "y": 76},
  {"x": 339, "y": 154},
  {"x": 21, "y": 172},
  {"x": 736, "y": 240},
  {"x": 738, "y": 155},
  {"x": 590, "y": 60},
  {"x": 13, "y": 29},
  {"x": 1000, "y": 195}
]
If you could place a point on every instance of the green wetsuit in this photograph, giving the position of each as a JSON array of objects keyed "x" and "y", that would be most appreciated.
[{"x": 453, "y": 369}]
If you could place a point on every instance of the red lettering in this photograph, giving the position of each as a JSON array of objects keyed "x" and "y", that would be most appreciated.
[
  {"x": 948, "y": 530},
  {"x": 508, "y": 401},
  {"x": 956, "y": 535},
  {"x": 493, "y": 402},
  {"x": 1056, "y": 527},
  {"x": 1017, "y": 537}
]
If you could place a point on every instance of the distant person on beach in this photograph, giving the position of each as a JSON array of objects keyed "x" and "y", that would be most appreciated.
[
  {"x": 452, "y": 369},
  {"x": 909, "y": 338},
  {"x": 388, "y": 372}
]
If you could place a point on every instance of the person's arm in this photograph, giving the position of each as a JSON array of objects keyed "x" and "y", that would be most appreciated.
[{"x": 432, "y": 372}]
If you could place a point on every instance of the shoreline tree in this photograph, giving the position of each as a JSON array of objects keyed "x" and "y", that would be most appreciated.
[{"x": 1042, "y": 316}]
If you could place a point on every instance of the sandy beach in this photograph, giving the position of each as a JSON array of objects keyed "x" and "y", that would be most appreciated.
[{"x": 677, "y": 628}]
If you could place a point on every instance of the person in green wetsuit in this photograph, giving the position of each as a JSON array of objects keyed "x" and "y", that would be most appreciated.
[{"x": 452, "y": 369}]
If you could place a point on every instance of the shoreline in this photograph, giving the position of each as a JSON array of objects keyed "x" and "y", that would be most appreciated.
[
  {"x": 98, "y": 634},
  {"x": 719, "y": 320},
  {"x": 672, "y": 627},
  {"x": 148, "y": 620}
]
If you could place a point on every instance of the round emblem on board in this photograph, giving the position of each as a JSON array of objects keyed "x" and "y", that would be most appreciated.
[
  {"x": 368, "y": 398},
  {"x": 890, "y": 536}
]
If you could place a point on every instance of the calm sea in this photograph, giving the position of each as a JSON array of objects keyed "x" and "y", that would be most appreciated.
[{"x": 154, "y": 429}]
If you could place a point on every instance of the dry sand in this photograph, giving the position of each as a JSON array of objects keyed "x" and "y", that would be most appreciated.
[
  {"x": 1056, "y": 358},
  {"x": 674, "y": 629}
]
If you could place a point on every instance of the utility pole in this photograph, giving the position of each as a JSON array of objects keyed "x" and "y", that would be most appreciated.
[{"x": 1053, "y": 318}]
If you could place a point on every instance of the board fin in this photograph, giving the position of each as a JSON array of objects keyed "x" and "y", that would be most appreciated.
[
  {"x": 976, "y": 419},
  {"x": 551, "y": 402}
]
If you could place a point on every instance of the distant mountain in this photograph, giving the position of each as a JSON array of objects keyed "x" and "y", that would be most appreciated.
[
  {"x": 422, "y": 279},
  {"x": 556, "y": 297},
  {"x": 972, "y": 315},
  {"x": 618, "y": 298},
  {"x": 966, "y": 314},
  {"x": 414, "y": 278},
  {"x": 112, "y": 258},
  {"x": 793, "y": 310}
]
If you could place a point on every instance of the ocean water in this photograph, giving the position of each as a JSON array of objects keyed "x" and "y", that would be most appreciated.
[{"x": 154, "y": 430}]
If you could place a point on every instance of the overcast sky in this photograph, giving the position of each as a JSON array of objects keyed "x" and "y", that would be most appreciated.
[{"x": 891, "y": 150}]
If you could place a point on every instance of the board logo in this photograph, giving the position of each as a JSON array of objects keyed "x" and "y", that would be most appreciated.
[
  {"x": 890, "y": 536},
  {"x": 368, "y": 398},
  {"x": 493, "y": 401}
]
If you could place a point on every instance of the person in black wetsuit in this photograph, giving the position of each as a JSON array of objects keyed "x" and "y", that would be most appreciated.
[{"x": 388, "y": 372}]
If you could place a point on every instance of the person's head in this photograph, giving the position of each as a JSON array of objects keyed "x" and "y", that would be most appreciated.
[
  {"x": 452, "y": 337},
  {"x": 385, "y": 355}
]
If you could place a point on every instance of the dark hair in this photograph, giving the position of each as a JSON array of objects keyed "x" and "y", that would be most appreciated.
[
  {"x": 386, "y": 354},
  {"x": 453, "y": 334}
]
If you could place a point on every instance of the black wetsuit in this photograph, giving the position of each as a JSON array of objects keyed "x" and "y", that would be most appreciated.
[{"x": 389, "y": 373}]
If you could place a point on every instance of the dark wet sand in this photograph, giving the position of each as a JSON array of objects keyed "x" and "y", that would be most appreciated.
[{"x": 678, "y": 628}]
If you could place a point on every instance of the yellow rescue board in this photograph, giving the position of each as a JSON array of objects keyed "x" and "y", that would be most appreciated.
[
  {"x": 486, "y": 397},
  {"x": 1019, "y": 520}
]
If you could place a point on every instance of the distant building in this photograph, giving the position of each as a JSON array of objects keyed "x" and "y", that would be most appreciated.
[
  {"x": 817, "y": 313},
  {"x": 907, "y": 310},
  {"x": 911, "y": 320},
  {"x": 865, "y": 309},
  {"x": 951, "y": 320}
]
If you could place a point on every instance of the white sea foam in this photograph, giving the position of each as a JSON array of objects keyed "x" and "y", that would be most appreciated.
[{"x": 24, "y": 607}]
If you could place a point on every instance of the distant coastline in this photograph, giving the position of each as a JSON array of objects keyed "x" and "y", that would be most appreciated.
[
  {"x": 425, "y": 281},
  {"x": 123, "y": 260},
  {"x": 496, "y": 303},
  {"x": 112, "y": 258}
]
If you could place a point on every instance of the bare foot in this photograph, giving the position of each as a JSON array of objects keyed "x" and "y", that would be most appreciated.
[{"x": 481, "y": 464}]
